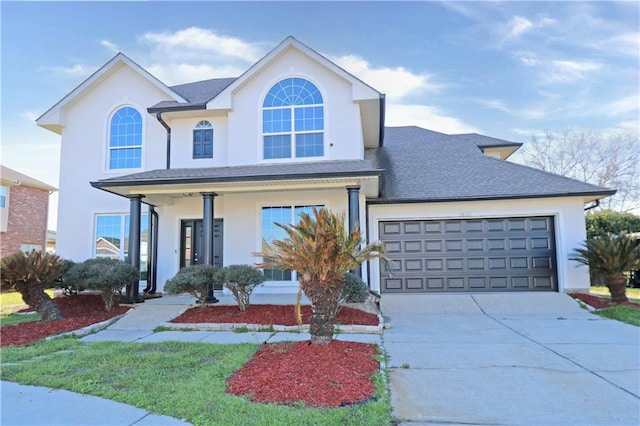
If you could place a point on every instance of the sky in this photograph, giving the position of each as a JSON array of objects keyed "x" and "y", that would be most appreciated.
[{"x": 504, "y": 69}]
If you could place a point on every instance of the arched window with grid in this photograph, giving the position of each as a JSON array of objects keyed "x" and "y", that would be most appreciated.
[
  {"x": 125, "y": 139},
  {"x": 203, "y": 140},
  {"x": 293, "y": 120}
]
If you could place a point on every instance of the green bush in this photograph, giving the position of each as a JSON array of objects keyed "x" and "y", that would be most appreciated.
[
  {"x": 108, "y": 276},
  {"x": 68, "y": 289},
  {"x": 194, "y": 279},
  {"x": 29, "y": 274},
  {"x": 241, "y": 280},
  {"x": 355, "y": 290},
  {"x": 601, "y": 223}
]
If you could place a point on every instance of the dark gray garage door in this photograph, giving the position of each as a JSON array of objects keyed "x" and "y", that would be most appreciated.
[{"x": 510, "y": 254}]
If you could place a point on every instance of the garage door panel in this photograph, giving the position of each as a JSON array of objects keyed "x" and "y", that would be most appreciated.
[{"x": 497, "y": 254}]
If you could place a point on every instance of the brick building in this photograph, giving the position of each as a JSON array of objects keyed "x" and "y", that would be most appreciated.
[{"x": 24, "y": 204}]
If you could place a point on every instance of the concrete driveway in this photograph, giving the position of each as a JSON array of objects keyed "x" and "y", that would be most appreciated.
[{"x": 530, "y": 359}]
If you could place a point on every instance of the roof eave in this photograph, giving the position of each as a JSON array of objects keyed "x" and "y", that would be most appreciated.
[{"x": 588, "y": 196}]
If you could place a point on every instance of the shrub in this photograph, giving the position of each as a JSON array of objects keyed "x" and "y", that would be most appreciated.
[
  {"x": 355, "y": 290},
  {"x": 108, "y": 276},
  {"x": 194, "y": 279},
  {"x": 29, "y": 274},
  {"x": 241, "y": 280},
  {"x": 601, "y": 223},
  {"x": 68, "y": 289}
]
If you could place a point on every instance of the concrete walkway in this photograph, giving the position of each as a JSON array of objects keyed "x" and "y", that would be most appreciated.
[
  {"x": 32, "y": 406},
  {"x": 516, "y": 359}
]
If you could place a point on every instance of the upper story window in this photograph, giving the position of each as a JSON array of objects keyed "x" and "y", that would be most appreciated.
[
  {"x": 203, "y": 140},
  {"x": 125, "y": 139},
  {"x": 4, "y": 190},
  {"x": 293, "y": 120}
]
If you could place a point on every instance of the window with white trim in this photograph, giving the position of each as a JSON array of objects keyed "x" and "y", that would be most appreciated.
[
  {"x": 293, "y": 120},
  {"x": 4, "y": 191},
  {"x": 112, "y": 237},
  {"x": 125, "y": 139},
  {"x": 285, "y": 215},
  {"x": 203, "y": 140}
]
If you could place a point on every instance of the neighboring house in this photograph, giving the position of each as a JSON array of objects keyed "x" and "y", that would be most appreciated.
[
  {"x": 24, "y": 204},
  {"x": 215, "y": 164}
]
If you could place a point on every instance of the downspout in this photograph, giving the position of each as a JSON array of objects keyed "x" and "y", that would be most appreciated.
[
  {"x": 595, "y": 204},
  {"x": 382, "y": 113},
  {"x": 166, "y": 126},
  {"x": 152, "y": 268}
]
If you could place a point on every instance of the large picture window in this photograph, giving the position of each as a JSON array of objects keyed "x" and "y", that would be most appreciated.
[
  {"x": 293, "y": 120},
  {"x": 203, "y": 140},
  {"x": 284, "y": 215},
  {"x": 112, "y": 238},
  {"x": 125, "y": 139}
]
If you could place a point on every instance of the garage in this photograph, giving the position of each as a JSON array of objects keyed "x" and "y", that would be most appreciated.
[{"x": 469, "y": 255}]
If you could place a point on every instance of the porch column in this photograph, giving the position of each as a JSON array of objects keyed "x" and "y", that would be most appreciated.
[
  {"x": 132, "y": 293},
  {"x": 354, "y": 215},
  {"x": 207, "y": 236}
]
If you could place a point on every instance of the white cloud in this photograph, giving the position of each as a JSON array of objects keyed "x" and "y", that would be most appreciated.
[
  {"x": 202, "y": 40},
  {"x": 518, "y": 26},
  {"x": 627, "y": 105},
  {"x": 112, "y": 47},
  {"x": 397, "y": 82},
  {"x": 427, "y": 117},
  {"x": 559, "y": 70},
  {"x": 77, "y": 70},
  {"x": 30, "y": 115}
]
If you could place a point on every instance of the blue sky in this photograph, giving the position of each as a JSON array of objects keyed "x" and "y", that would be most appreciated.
[{"x": 504, "y": 69}]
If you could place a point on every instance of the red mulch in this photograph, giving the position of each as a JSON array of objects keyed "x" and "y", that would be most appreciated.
[
  {"x": 599, "y": 302},
  {"x": 79, "y": 311},
  {"x": 331, "y": 375},
  {"x": 268, "y": 315}
]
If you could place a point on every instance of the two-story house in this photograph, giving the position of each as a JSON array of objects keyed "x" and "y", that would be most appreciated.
[
  {"x": 24, "y": 207},
  {"x": 201, "y": 172}
]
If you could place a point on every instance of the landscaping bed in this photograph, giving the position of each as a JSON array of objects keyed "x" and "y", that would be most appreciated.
[
  {"x": 78, "y": 311},
  {"x": 598, "y": 302},
  {"x": 333, "y": 375},
  {"x": 269, "y": 315}
]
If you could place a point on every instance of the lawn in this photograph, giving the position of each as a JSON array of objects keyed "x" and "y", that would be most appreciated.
[
  {"x": 626, "y": 314},
  {"x": 181, "y": 380},
  {"x": 633, "y": 294}
]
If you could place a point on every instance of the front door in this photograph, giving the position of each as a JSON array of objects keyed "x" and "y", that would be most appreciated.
[{"x": 191, "y": 243}]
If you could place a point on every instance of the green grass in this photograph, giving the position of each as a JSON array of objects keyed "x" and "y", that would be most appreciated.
[
  {"x": 633, "y": 294},
  {"x": 13, "y": 319},
  {"x": 627, "y": 314},
  {"x": 182, "y": 380}
]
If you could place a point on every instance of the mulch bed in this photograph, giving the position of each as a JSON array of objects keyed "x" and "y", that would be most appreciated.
[
  {"x": 600, "y": 302},
  {"x": 331, "y": 375},
  {"x": 268, "y": 315},
  {"x": 78, "y": 311}
]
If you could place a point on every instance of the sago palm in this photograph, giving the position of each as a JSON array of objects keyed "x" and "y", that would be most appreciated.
[
  {"x": 611, "y": 255},
  {"x": 321, "y": 251}
]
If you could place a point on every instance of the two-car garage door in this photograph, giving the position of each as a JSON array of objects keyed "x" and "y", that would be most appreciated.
[{"x": 468, "y": 255}]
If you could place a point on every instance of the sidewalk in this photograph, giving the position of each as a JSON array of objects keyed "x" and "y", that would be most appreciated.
[{"x": 31, "y": 405}]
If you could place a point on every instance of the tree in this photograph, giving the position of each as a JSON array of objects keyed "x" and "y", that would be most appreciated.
[
  {"x": 611, "y": 255},
  {"x": 320, "y": 250},
  {"x": 29, "y": 274},
  {"x": 609, "y": 160},
  {"x": 605, "y": 222}
]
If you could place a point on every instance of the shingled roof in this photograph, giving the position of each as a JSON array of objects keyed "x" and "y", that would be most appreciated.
[
  {"x": 197, "y": 94},
  {"x": 423, "y": 165}
]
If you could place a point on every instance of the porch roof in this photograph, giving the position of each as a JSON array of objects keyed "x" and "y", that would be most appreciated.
[{"x": 159, "y": 184}]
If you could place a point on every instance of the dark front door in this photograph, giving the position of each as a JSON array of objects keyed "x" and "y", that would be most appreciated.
[{"x": 191, "y": 243}]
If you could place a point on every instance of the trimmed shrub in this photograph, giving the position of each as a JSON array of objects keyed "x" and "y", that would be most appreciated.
[
  {"x": 241, "y": 280},
  {"x": 29, "y": 274},
  {"x": 68, "y": 289},
  {"x": 105, "y": 275},
  {"x": 355, "y": 290},
  {"x": 194, "y": 279}
]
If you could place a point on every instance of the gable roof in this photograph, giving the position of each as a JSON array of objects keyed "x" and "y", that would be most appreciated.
[
  {"x": 426, "y": 166},
  {"x": 52, "y": 119},
  {"x": 15, "y": 178}
]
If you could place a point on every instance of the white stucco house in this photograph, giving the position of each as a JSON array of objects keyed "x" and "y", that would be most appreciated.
[{"x": 200, "y": 172}]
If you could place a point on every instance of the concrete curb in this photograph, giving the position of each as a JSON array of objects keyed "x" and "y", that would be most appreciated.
[{"x": 81, "y": 332}]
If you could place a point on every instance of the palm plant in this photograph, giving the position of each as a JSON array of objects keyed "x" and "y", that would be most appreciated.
[
  {"x": 320, "y": 250},
  {"x": 29, "y": 274},
  {"x": 611, "y": 255}
]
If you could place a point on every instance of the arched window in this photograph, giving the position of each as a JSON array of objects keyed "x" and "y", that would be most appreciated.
[
  {"x": 293, "y": 120},
  {"x": 203, "y": 140},
  {"x": 125, "y": 139}
]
